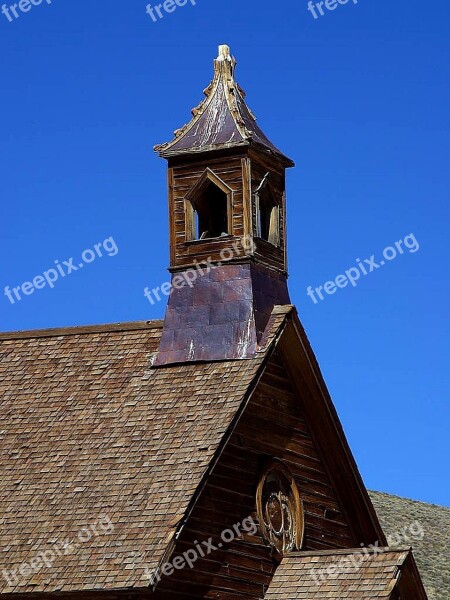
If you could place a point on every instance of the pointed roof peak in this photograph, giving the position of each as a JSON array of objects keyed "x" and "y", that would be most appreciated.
[
  {"x": 222, "y": 120},
  {"x": 225, "y": 54}
]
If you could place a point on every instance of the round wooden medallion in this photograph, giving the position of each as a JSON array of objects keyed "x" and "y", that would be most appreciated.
[{"x": 280, "y": 509}]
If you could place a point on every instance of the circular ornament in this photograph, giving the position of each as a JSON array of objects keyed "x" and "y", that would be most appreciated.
[{"x": 280, "y": 509}]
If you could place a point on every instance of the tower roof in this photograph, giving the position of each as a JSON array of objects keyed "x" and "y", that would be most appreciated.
[{"x": 222, "y": 120}]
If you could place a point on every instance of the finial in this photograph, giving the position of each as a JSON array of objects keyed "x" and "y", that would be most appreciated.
[
  {"x": 224, "y": 53},
  {"x": 225, "y": 63}
]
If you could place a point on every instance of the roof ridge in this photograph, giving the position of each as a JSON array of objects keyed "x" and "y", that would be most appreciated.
[{"x": 81, "y": 330}]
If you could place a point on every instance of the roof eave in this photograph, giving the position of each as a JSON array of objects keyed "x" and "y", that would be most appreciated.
[{"x": 168, "y": 153}]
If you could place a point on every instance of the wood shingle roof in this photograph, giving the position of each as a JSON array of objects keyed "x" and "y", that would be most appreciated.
[
  {"x": 90, "y": 431},
  {"x": 334, "y": 575},
  {"x": 92, "y": 434}
]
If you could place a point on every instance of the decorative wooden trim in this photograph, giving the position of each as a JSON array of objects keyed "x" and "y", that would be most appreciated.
[
  {"x": 257, "y": 195},
  {"x": 208, "y": 175},
  {"x": 274, "y": 237},
  {"x": 282, "y": 218},
  {"x": 328, "y": 434},
  {"x": 189, "y": 221},
  {"x": 247, "y": 196},
  {"x": 297, "y": 516},
  {"x": 189, "y": 201},
  {"x": 274, "y": 232},
  {"x": 172, "y": 234}
]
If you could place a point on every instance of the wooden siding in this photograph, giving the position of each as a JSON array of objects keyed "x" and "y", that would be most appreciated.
[
  {"x": 242, "y": 175},
  {"x": 266, "y": 252},
  {"x": 185, "y": 176},
  {"x": 272, "y": 425}
]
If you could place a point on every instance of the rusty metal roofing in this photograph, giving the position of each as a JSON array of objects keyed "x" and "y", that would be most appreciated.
[
  {"x": 222, "y": 120},
  {"x": 230, "y": 307}
]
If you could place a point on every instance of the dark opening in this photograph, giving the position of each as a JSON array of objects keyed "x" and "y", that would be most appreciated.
[
  {"x": 211, "y": 212},
  {"x": 265, "y": 215},
  {"x": 268, "y": 217}
]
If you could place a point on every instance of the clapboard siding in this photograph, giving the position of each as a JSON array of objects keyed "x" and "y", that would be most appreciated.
[
  {"x": 266, "y": 252},
  {"x": 185, "y": 176},
  {"x": 272, "y": 426},
  {"x": 243, "y": 175}
]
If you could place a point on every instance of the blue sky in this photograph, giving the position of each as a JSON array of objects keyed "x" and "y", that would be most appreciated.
[{"x": 358, "y": 97}]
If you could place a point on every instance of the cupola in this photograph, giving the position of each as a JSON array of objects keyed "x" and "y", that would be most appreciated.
[{"x": 227, "y": 208}]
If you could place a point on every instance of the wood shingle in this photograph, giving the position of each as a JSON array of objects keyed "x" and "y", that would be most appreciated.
[{"x": 88, "y": 430}]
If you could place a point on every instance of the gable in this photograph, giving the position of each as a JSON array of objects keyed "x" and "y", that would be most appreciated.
[
  {"x": 272, "y": 424},
  {"x": 327, "y": 431}
]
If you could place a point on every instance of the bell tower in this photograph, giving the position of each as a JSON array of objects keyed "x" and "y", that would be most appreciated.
[{"x": 227, "y": 208}]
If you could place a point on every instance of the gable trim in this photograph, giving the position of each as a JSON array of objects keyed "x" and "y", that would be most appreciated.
[{"x": 328, "y": 434}]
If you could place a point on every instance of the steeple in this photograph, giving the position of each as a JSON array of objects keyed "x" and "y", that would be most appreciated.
[
  {"x": 222, "y": 120},
  {"x": 227, "y": 215}
]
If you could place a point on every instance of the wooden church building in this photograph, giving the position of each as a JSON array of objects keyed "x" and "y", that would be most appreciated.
[{"x": 199, "y": 457}]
